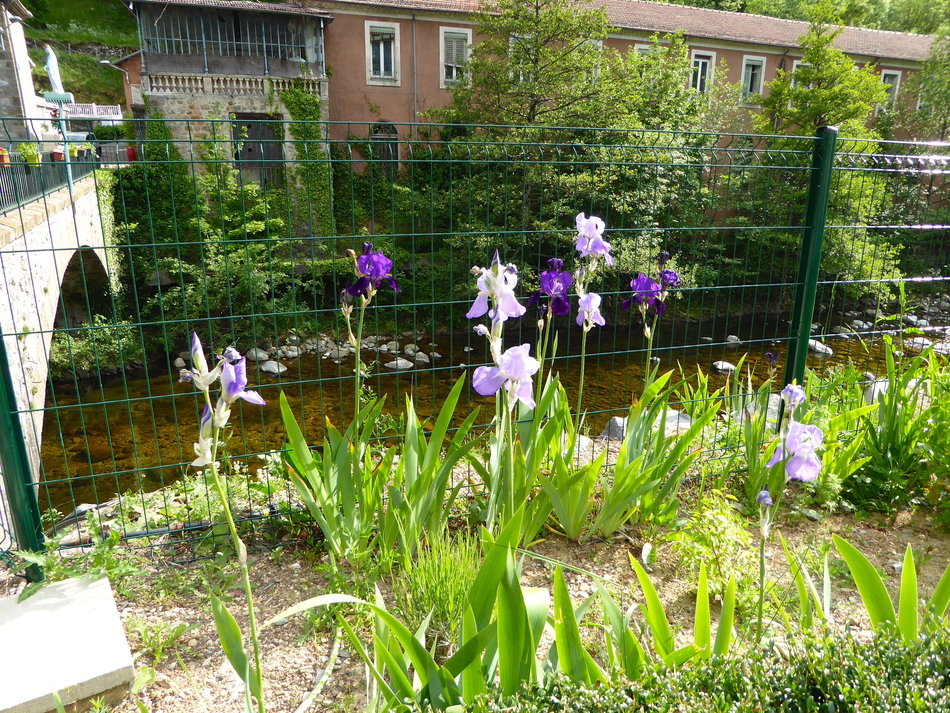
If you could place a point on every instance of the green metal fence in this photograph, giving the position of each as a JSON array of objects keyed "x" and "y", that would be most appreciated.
[{"x": 243, "y": 241}]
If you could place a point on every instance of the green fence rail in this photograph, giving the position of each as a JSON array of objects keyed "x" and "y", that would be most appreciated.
[
  {"x": 22, "y": 182},
  {"x": 239, "y": 233}
]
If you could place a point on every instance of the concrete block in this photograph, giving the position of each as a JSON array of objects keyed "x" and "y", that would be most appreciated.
[{"x": 67, "y": 638}]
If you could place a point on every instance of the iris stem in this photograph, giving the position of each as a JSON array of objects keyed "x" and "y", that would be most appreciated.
[
  {"x": 580, "y": 380},
  {"x": 242, "y": 561}
]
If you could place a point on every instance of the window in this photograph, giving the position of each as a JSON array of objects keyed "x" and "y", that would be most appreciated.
[
  {"x": 753, "y": 72},
  {"x": 518, "y": 57},
  {"x": 892, "y": 82},
  {"x": 384, "y": 144},
  {"x": 257, "y": 147},
  {"x": 795, "y": 66},
  {"x": 455, "y": 43},
  {"x": 382, "y": 53},
  {"x": 703, "y": 63},
  {"x": 643, "y": 49}
]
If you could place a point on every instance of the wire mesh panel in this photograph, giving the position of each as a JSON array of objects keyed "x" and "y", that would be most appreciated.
[{"x": 238, "y": 231}]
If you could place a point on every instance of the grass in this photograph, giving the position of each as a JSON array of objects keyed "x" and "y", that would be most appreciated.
[
  {"x": 103, "y": 22},
  {"x": 82, "y": 76}
]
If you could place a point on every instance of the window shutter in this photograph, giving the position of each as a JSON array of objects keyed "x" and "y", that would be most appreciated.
[{"x": 455, "y": 47}]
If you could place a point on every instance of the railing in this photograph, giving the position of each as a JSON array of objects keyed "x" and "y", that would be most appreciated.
[
  {"x": 22, "y": 182},
  {"x": 223, "y": 84}
]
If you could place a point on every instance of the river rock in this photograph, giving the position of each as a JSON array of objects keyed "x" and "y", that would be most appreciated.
[
  {"x": 910, "y": 320},
  {"x": 392, "y": 346},
  {"x": 411, "y": 350},
  {"x": 273, "y": 367},
  {"x": 435, "y": 355},
  {"x": 614, "y": 430},
  {"x": 420, "y": 358},
  {"x": 723, "y": 367},
  {"x": 337, "y": 352},
  {"x": 290, "y": 352},
  {"x": 705, "y": 340},
  {"x": 923, "y": 323},
  {"x": 944, "y": 305},
  {"x": 842, "y": 331},
  {"x": 942, "y": 348},
  {"x": 179, "y": 363},
  {"x": 256, "y": 354},
  {"x": 860, "y": 326},
  {"x": 917, "y": 344},
  {"x": 399, "y": 365},
  {"x": 676, "y": 423},
  {"x": 819, "y": 348},
  {"x": 732, "y": 339}
]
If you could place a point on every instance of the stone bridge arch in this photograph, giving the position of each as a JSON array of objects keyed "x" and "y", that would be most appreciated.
[{"x": 53, "y": 264}]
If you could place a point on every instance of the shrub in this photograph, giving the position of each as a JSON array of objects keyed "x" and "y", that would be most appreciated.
[{"x": 100, "y": 347}]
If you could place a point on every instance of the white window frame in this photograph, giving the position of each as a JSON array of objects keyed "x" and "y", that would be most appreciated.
[
  {"x": 518, "y": 74},
  {"x": 372, "y": 79},
  {"x": 702, "y": 56},
  {"x": 643, "y": 49},
  {"x": 443, "y": 31},
  {"x": 895, "y": 88},
  {"x": 761, "y": 62},
  {"x": 795, "y": 65}
]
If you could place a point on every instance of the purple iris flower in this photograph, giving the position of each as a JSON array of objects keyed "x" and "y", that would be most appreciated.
[
  {"x": 669, "y": 278},
  {"x": 764, "y": 498},
  {"x": 771, "y": 359},
  {"x": 205, "y": 444},
  {"x": 199, "y": 375},
  {"x": 497, "y": 284},
  {"x": 590, "y": 238},
  {"x": 555, "y": 283},
  {"x": 793, "y": 395},
  {"x": 372, "y": 267},
  {"x": 233, "y": 383},
  {"x": 645, "y": 292},
  {"x": 662, "y": 258},
  {"x": 800, "y": 445},
  {"x": 514, "y": 371},
  {"x": 589, "y": 311},
  {"x": 231, "y": 354}
]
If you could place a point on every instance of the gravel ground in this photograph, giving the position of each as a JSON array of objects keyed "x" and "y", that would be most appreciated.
[{"x": 194, "y": 677}]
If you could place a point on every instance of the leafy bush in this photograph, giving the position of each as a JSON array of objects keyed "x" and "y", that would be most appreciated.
[
  {"x": 99, "y": 347},
  {"x": 833, "y": 673}
]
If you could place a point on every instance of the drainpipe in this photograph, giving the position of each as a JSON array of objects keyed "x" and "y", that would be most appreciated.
[
  {"x": 204, "y": 41},
  {"x": 415, "y": 93}
]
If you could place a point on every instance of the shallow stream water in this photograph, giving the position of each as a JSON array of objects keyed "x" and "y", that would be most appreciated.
[{"x": 137, "y": 430}]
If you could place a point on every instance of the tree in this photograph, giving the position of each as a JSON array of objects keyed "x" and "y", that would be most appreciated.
[
  {"x": 931, "y": 121},
  {"x": 827, "y": 89},
  {"x": 539, "y": 63}
]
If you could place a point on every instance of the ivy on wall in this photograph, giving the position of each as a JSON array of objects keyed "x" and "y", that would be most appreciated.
[{"x": 314, "y": 196}]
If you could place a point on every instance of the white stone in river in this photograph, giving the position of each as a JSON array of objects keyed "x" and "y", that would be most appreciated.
[
  {"x": 392, "y": 346},
  {"x": 676, "y": 423},
  {"x": 435, "y": 355},
  {"x": 290, "y": 352},
  {"x": 923, "y": 322},
  {"x": 256, "y": 354},
  {"x": 614, "y": 430},
  {"x": 179, "y": 363},
  {"x": 732, "y": 339},
  {"x": 399, "y": 365},
  {"x": 815, "y": 346},
  {"x": 421, "y": 358},
  {"x": 723, "y": 367},
  {"x": 411, "y": 349},
  {"x": 338, "y": 352},
  {"x": 273, "y": 367},
  {"x": 917, "y": 344},
  {"x": 466, "y": 349}
]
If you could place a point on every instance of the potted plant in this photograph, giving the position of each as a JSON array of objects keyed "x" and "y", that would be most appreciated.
[
  {"x": 85, "y": 149},
  {"x": 4, "y": 156},
  {"x": 73, "y": 150},
  {"x": 30, "y": 151}
]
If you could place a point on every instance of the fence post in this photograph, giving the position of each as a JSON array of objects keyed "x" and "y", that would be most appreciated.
[
  {"x": 813, "y": 234},
  {"x": 16, "y": 472}
]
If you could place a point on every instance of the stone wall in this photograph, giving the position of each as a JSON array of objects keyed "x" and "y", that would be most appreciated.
[{"x": 37, "y": 245}]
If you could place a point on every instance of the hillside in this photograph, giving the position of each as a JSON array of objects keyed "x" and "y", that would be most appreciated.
[{"x": 82, "y": 32}]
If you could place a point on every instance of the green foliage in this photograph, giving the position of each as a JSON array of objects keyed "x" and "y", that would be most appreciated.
[
  {"x": 91, "y": 21},
  {"x": 435, "y": 584},
  {"x": 103, "y": 559},
  {"x": 716, "y": 537},
  {"x": 826, "y": 90},
  {"x": 104, "y": 345},
  {"x": 82, "y": 74},
  {"x": 895, "y": 438},
  {"x": 877, "y": 601},
  {"x": 931, "y": 85},
  {"x": 833, "y": 672},
  {"x": 313, "y": 201},
  {"x": 650, "y": 465},
  {"x": 156, "y": 640}
]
